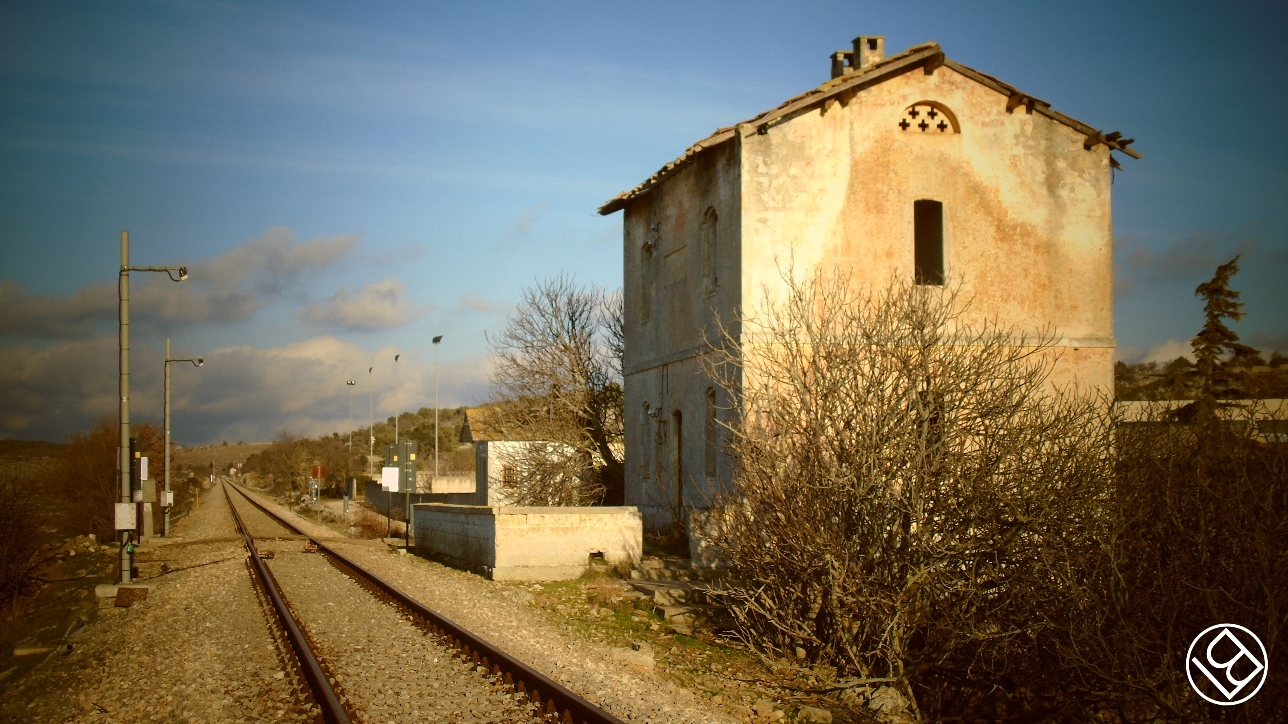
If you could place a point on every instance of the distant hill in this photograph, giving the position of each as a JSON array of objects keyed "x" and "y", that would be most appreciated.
[
  {"x": 222, "y": 455},
  {"x": 1254, "y": 379},
  {"x": 27, "y": 450}
]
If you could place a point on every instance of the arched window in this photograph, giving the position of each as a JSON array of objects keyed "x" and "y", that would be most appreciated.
[
  {"x": 928, "y": 117},
  {"x": 707, "y": 243}
]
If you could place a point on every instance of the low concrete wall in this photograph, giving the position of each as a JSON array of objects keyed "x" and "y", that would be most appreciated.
[
  {"x": 380, "y": 500},
  {"x": 524, "y": 543}
]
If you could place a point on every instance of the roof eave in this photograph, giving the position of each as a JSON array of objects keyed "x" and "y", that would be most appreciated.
[{"x": 929, "y": 55}]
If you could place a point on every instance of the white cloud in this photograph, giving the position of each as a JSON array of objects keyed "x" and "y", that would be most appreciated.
[
  {"x": 1168, "y": 351},
  {"x": 475, "y": 303},
  {"x": 521, "y": 226},
  {"x": 229, "y": 288},
  {"x": 382, "y": 305},
  {"x": 241, "y": 393}
]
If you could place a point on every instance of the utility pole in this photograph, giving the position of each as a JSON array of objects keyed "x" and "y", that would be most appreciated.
[
  {"x": 396, "y": 399},
  {"x": 348, "y": 462},
  {"x": 165, "y": 503},
  {"x": 123, "y": 454},
  {"x": 437, "y": 339},
  {"x": 371, "y": 425}
]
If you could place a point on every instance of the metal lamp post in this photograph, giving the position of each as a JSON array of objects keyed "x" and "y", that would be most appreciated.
[
  {"x": 371, "y": 426},
  {"x": 123, "y": 454},
  {"x": 396, "y": 399},
  {"x": 437, "y": 339},
  {"x": 348, "y": 461},
  {"x": 196, "y": 362}
]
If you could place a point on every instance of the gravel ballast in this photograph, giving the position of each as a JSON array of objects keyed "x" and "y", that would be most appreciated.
[
  {"x": 198, "y": 649},
  {"x": 500, "y": 614}
]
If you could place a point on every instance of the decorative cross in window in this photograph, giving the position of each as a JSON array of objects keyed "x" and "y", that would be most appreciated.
[{"x": 927, "y": 116}]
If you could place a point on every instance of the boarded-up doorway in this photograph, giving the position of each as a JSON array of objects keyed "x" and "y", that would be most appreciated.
[{"x": 677, "y": 463}]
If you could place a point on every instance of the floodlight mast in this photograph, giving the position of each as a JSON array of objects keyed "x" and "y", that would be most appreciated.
[
  {"x": 371, "y": 425},
  {"x": 348, "y": 462},
  {"x": 437, "y": 339},
  {"x": 125, "y": 535},
  {"x": 196, "y": 362}
]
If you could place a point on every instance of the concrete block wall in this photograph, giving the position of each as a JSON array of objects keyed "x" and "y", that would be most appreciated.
[{"x": 528, "y": 543}]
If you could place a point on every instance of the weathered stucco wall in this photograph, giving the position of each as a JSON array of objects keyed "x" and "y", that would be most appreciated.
[
  {"x": 1026, "y": 232},
  {"x": 684, "y": 239},
  {"x": 1027, "y": 227},
  {"x": 531, "y": 544}
]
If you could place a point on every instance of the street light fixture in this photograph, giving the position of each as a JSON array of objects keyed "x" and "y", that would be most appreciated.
[
  {"x": 197, "y": 362},
  {"x": 123, "y": 454}
]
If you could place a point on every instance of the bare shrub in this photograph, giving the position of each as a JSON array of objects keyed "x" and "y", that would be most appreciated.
[
  {"x": 91, "y": 480},
  {"x": 1194, "y": 535},
  {"x": 900, "y": 479},
  {"x": 21, "y": 553},
  {"x": 557, "y": 380},
  {"x": 369, "y": 524}
]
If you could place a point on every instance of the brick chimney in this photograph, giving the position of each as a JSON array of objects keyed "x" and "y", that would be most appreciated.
[{"x": 868, "y": 50}]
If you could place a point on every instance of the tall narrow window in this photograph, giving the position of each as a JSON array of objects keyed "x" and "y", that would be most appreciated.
[
  {"x": 648, "y": 282},
  {"x": 708, "y": 245},
  {"x": 928, "y": 221},
  {"x": 677, "y": 463},
  {"x": 709, "y": 464},
  {"x": 646, "y": 460}
]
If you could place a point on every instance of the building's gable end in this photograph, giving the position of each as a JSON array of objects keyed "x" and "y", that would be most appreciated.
[{"x": 927, "y": 58}]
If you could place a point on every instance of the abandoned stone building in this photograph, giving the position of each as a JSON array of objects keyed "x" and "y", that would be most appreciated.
[{"x": 908, "y": 165}]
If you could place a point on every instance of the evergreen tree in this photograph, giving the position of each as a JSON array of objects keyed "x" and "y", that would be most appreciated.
[{"x": 1216, "y": 341}]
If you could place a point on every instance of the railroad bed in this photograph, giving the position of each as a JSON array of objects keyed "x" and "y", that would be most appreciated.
[
  {"x": 200, "y": 647},
  {"x": 369, "y": 641}
]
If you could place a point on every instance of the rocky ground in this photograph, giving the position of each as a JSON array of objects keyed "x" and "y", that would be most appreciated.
[
  {"x": 198, "y": 649},
  {"x": 581, "y": 633}
]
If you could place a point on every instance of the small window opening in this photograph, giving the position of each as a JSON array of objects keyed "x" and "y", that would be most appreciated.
[
  {"x": 708, "y": 245},
  {"x": 509, "y": 477},
  {"x": 647, "y": 281},
  {"x": 928, "y": 222},
  {"x": 645, "y": 422},
  {"x": 872, "y": 43},
  {"x": 709, "y": 464}
]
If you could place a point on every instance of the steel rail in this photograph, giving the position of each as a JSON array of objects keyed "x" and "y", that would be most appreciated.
[
  {"x": 324, "y": 696},
  {"x": 555, "y": 700}
]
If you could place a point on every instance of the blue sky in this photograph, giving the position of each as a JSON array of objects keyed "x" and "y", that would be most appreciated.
[{"x": 347, "y": 181}]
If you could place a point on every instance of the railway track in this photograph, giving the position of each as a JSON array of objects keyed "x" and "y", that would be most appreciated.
[{"x": 367, "y": 650}]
